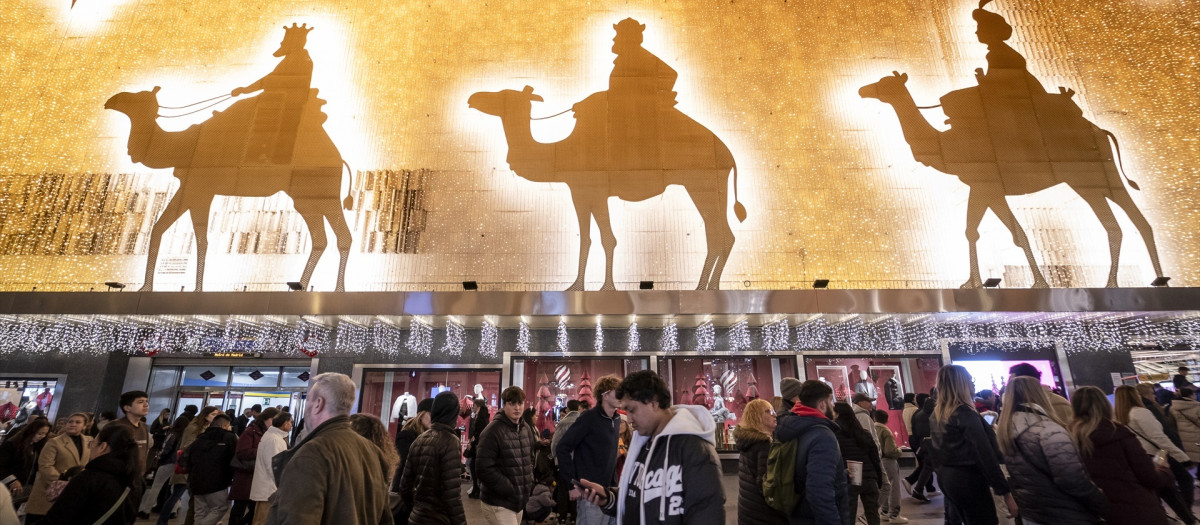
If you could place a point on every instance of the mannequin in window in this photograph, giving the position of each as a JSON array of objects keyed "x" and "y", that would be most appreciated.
[
  {"x": 891, "y": 392},
  {"x": 720, "y": 414},
  {"x": 865, "y": 386},
  {"x": 404, "y": 407}
]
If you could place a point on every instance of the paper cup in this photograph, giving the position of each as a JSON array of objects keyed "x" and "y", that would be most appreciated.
[{"x": 854, "y": 470}]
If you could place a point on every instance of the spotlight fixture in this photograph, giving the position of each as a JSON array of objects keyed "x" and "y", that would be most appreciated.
[
  {"x": 646, "y": 285},
  {"x": 1159, "y": 282},
  {"x": 470, "y": 286},
  {"x": 821, "y": 284},
  {"x": 295, "y": 286},
  {"x": 113, "y": 285},
  {"x": 992, "y": 282}
]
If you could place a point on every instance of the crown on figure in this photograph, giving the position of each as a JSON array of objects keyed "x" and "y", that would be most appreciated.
[{"x": 629, "y": 24}]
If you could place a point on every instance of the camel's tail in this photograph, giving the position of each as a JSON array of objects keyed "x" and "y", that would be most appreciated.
[
  {"x": 738, "y": 209},
  {"x": 348, "y": 202},
  {"x": 1120, "y": 165}
]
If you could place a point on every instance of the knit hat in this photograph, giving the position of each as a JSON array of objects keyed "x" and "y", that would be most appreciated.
[
  {"x": 426, "y": 405},
  {"x": 445, "y": 408},
  {"x": 789, "y": 388}
]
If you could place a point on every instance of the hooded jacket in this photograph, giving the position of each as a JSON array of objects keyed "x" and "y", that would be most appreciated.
[
  {"x": 429, "y": 484},
  {"x": 753, "y": 448},
  {"x": 95, "y": 490},
  {"x": 207, "y": 461},
  {"x": 504, "y": 463},
  {"x": 820, "y": 470},
  {"x": 1186, "y": 413},
  {"x": 1121, "y": 469},
  {"x": 1050, "y": 483},
  {"x": 680, "y": 481},
  {"x": 588, "y": 449},
  {"x": 263, "y": 485}
]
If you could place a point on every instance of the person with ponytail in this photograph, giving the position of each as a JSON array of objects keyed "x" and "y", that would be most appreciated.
[
  {"x": 1049, "y": 480},
  {"x": 965, "y": 452},
  {"x": 105, "y": 492},
  {"x": 1116, "y": 462},
  {"x": 1132, "y": 412}
]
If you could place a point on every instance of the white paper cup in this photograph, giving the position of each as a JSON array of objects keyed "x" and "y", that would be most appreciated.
[{"x": 854, "y": 470}]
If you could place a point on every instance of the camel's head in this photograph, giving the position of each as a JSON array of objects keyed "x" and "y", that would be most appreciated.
[
  {"x": 143, "y": 104},
  {"x": 505, "y": 103},
  {"x": 886, "y": 88}
]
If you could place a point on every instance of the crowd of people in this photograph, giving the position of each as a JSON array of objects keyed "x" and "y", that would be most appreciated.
[{"x": 635, "y": 457}]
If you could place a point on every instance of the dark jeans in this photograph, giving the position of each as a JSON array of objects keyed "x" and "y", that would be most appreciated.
[
  {"x": 164, "y": 514},
  {"x": 967, "y": 490},
  {"x": 242, "y": 513},
  {"x": 868, "y": 492},
  {"x": 474, "y": 478},
  {"x": 921, "y": 478}
]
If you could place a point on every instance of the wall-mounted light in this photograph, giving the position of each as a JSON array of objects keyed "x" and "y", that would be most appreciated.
[
  {"x": 1159, "y": 282},
  {"x": 992, "y": 282},
  {"x": 113, "y": 285},
  {"x": 821, "y": 284},
  {"x": 646, "y": 285},
  {"x": 295, "y": 286},
  {"x": 470, "y": 286}
]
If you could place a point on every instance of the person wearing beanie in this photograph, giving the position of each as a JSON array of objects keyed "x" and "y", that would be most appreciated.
[{"x": 429, "y": 483}]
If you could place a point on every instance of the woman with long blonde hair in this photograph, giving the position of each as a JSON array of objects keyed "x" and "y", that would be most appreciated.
[
  {"x": 753, "y": 436},
  {"x": 965, "y": 451},
  {"x": 1132, "y": 413},
  {"x": 1049, "y": 480},
  {"x": 1115, "y": 461}
]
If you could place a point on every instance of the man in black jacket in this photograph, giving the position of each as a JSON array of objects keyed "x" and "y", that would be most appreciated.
[
  {"x": 820, "y": 470},
  {"x": 504, "y": 462},
  {"x": 209, "y": 470},
  {"x": 588, "y": 450},
  {"x": 479, "y": 421},
  {"x": 919, "y": 484},
  {"x": 429, "y": 484}
]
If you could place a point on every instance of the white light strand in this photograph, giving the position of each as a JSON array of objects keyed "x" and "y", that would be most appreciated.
[
  {"x": 387, "y": 339},
  {"x": 420, "y": 338},
  {"x": 777, "y": 336},
  {"x": 669, "y": 342},
  {"x": 560, "y": 340},
  {"x": 739, "y": 336},
  {"x": 706, "y": 337},
  {"x": 633, "y": 340},
  {"x": 488, "y": 336},
  {"x": 456, "y": 339},
  {"x": 523, "y": 338},
  {"x": 598, "y": 342}
]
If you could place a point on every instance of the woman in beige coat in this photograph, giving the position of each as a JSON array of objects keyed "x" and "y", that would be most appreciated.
[{"x": 70, "y": 449}]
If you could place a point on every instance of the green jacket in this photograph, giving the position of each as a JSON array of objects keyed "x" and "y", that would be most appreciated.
[{"x": 887, "y": 442}]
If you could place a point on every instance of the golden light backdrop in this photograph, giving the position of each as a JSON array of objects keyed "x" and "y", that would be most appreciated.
[{"x": 831, "y": 187}]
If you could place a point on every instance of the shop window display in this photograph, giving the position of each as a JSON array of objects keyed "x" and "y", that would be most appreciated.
[
  {"x": 22, "y": 398},
  {"x": 550, "y": 382},
  {"x": 725, "y": 385},
  {"x": 883, "y": 378},
  {"x": 393, "y": 394}
]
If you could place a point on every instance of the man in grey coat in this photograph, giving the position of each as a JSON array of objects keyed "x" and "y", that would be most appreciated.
[{"x": 334, "y": 475}]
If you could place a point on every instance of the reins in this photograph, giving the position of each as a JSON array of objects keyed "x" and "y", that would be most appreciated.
[
  {"x": 219, "y": 100},
  {"x": 551, "y": 116}
]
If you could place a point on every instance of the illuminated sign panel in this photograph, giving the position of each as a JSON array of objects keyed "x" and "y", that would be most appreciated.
[{"x": 706, "y": 144}]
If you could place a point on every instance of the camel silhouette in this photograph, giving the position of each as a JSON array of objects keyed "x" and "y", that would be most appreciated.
[
  {"x": 208, "y": 161},
  {"x": 998, "y": 158},
  {"x": 690, "y": 156}
]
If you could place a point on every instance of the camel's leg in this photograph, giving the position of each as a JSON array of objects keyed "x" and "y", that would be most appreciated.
[
  {"x": 976, "y": 207},
  {"x": 344, "y": 238},
  {"x": 200, "y": 228},
  {"x": 170, "y": 214},
  {"x": 718, "y": 235},
  {"x": 315, "y": 219},
  {"x": 1005, "y": 214},
  {"x": 607, "y": 240},
  {"x": 1099, "y": 205},
  {"x": 583, "y": 212},
  {"x": 1122, "y": 198}
]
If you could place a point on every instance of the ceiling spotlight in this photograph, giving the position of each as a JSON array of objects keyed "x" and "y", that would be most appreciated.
[
  {"x": 992, "y": 282},
  {"x": 113, "y": 285},
  {"x": 646, "y": 285},
  {"x": 820, "y": 284},
  {"x": 470, "y": 285},
  {"x": 295, "y": 286},
  {"x": 1159, "y": 282}
]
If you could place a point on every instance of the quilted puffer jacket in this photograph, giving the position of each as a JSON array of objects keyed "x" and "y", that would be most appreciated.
[
  {"x": 753, "y": 448},
  {"x": 1049, "y": 480},
  {"x": 504, "y": 463},
  {"x": 1187, "y": 419},
  {"x": 430, "y": 482}
]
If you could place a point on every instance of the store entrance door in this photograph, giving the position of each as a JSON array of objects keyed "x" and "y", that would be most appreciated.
[{"x": 239, "y": 400}]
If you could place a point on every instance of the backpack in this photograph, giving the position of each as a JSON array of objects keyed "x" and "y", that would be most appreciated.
[{"x": 779, "y": 483}]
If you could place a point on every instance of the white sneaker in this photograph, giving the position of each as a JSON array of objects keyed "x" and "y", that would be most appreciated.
[
  {"x": 933, "y": 493},
  {"x": 897, "y": 519}
]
